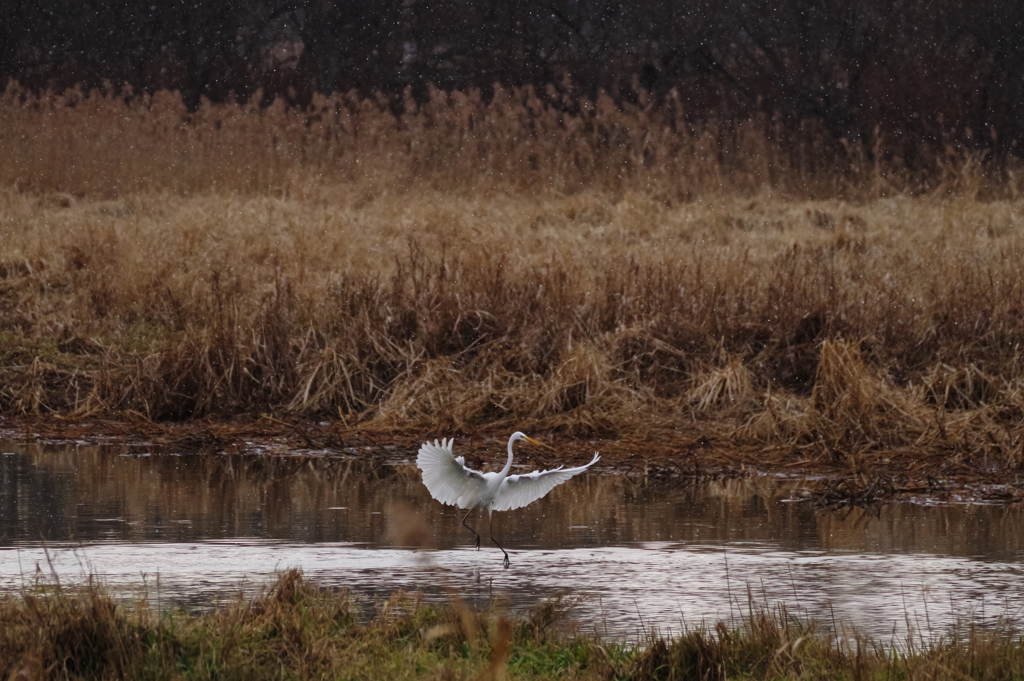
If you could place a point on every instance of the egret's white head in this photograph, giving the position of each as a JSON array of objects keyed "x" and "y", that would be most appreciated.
[{"x": 517, "y": 436}]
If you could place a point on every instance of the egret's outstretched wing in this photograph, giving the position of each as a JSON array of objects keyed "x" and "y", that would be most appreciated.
[
  {"x": 447, "y": 478},
  {"x": 517, "y": 491}
]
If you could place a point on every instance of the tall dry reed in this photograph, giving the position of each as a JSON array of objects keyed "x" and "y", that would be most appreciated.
[{"x": 109, "y": 144}]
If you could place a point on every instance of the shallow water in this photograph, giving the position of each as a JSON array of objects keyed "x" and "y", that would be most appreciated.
[{"x": 190, "y": 529}]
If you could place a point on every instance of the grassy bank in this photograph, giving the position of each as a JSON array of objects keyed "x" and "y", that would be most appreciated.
[
  {"x": 822, "y": 330},
  {"x": 389, "y": 277},
  {"x": 297, "y": 631}
]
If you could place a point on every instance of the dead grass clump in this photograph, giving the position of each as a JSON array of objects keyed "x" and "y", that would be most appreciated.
[
  {"x": 785, "y": 420},
  {"x": 844, "y": 390},
  {"x": 768, "y": 645},
  {"x": 857, "y": 409},
  {"x": 582, "y": 396},
  {"x": 850, "y": 410},
  {"x": 578, "y": 396},
  {"x": 42, "y": 387},
  {"x": 966, "y": 387},
  {"x": 729, "y": 386},
  {"x": 776, "y": 645},
  {"x": 443, "y": 396},
  {"x": 65, "y": 635},
  {"x": 644, "y": 360}
]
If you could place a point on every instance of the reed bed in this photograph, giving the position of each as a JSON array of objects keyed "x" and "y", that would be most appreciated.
[
  {"x": 296, "y": 630},
  {"x": 435, "y": 272},
  {"x": 108, "y": 144}
]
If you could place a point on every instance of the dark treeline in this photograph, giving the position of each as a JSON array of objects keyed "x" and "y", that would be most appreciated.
[{"x": 912, "y": 76}]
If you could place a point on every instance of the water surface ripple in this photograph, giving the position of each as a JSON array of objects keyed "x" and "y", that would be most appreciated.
[{"x": 191, "y": 529}]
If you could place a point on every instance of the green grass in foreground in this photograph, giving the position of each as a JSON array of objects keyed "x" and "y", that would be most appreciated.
[{"x": 297, "y": 631}]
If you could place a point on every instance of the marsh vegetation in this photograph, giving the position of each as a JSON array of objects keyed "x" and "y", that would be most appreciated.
[
  {"x": 692, "y": 293},
  {"x": 296, "y": 630},
  {"x": 606, "y": 270}
]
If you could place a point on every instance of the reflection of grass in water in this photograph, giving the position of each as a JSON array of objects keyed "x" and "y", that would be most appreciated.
[{"x": 297, "y": 630}]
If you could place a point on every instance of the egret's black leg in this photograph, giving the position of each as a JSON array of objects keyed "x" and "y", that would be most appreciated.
[
  {"x": 471, "y": 529},
  {"x": 490, "y": 531}
]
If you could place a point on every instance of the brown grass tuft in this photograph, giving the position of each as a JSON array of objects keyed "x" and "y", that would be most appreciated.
[
  {"x": 856, "y": 409},
  {"x": 724, "y": 387}
]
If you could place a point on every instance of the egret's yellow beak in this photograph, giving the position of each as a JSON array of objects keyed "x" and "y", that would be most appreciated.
[{"x": 532, "y": 441}]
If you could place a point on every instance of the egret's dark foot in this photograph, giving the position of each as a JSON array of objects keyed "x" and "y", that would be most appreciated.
[
  {"x": 491, "y": 533},
  {"x": 478, "y": 543}
]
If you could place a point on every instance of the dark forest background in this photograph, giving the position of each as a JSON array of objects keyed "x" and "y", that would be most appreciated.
[{"x": 914, "y": 73}]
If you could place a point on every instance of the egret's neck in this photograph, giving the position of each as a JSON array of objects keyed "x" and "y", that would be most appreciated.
[{"x": 508, "y": 464}]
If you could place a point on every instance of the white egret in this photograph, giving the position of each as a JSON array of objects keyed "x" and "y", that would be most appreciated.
[{"x": 449, "y": 481}]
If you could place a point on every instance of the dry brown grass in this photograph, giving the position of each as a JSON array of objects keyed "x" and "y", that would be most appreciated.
[
  {"x": 107, "y": 145},
  {"x": 293, "y": 629},
  {"x": 297, "y": 630},
  {"x": 440, "y": 272}
]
